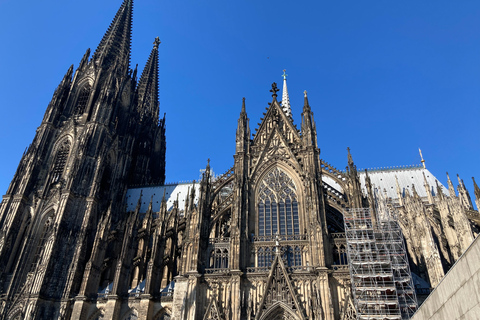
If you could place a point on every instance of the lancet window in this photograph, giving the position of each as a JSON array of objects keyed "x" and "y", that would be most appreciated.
[
  {"x": 278, "y": 225},
  {"x": 44, "y": 235},
  {"x": 60, "y": 161},
  {"x": 83, "y": 99},
  {"x": 277, "y": 205}
]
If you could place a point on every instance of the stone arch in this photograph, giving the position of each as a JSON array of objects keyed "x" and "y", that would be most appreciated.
[
  {"x": 279, "y": 311},
  {"x": 43, "y": 234},
  {"x": 295, "y": 187},
  {"x": 60, "y": 154},
  {"x": 16, "y": 313},
  {"x": 82, "y": 96}
]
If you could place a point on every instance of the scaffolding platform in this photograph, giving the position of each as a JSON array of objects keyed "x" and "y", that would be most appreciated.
[{"x": 382, "y": 284}]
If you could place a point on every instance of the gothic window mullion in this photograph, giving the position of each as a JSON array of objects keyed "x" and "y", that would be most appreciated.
[
  {"x": 274, "y": 217},
  {"x": 281, "y": 216}
]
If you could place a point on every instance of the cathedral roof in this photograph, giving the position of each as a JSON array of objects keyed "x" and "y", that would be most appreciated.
[
  {"x": 384, "y": 178},
  {"x": 172, "y": 192}
]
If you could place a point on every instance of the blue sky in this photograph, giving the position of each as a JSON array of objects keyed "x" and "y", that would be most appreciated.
[{"x": 383, "y": 77}]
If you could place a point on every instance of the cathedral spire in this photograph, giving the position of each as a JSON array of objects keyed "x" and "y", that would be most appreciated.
[
  {"x": 285, "y": 99},
  {"x": 148, "y": 85},
  {"x": 115, "y": 44}
]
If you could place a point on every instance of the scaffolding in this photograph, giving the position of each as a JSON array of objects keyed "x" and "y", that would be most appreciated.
[{"x": 382, "y": 285}]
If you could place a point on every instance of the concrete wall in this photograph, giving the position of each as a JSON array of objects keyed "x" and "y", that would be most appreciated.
[{"x": 457, "y": 296}]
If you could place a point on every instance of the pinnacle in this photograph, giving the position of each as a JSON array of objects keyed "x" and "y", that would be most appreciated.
[{"x": 148, "y": 84}]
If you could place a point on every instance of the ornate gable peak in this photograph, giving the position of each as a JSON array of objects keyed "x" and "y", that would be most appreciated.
[
  {"x": 213, "y": 312},
  {"x": 276, "y": 117},
  {"x": 275, "y": 148},
  {"x": 279, "y": 292}
]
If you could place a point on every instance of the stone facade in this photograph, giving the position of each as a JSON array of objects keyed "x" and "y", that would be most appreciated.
[{"x": 263, "y": 241}]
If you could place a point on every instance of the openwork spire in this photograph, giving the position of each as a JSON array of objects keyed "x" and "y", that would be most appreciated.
[
  {"x": 285, "y": 99},
  {"x": 115, "y": 44},
  {"x": 148, "y": 84}
]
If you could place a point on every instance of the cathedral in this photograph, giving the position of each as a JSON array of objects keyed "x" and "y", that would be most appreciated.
[{"x": 89, "y": 230}]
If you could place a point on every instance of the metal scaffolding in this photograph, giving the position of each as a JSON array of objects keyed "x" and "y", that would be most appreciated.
[{"x": 382, "y": 285}]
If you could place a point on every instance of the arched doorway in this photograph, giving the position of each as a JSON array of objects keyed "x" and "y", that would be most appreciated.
[{"x": 279, "y": 311}]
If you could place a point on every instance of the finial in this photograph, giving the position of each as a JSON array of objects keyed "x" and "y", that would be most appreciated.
[
  {"x": 423, "y": 161},
  {"x": 305, "y": 93},
  {"x": 284, "y": 75},
  {"x": 156, "y": 43},
  {"x": 274, "y": 90}
]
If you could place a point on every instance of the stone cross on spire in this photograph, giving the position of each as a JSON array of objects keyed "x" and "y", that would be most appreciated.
[{"x": 285, "y": 99}]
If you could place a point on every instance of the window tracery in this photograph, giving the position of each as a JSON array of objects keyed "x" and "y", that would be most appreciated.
[
  {"x": 60, "y": 161},
  {"x": 45, "y": 234},
  {"x": 83, "y": 99},
  {"x": 278, "y": 225},
  {"x": 277, "y": 205}
]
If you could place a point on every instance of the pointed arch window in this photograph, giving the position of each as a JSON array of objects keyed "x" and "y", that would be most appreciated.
[
  {"x": 277, "y": 205},
  {"x": 44, "y": 236},
  {"x": 83, "y": 99},
  {"x": 60, "y": 161}
]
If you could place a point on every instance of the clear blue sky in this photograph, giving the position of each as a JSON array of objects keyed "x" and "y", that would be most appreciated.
[{"x": 384, "y": 77}]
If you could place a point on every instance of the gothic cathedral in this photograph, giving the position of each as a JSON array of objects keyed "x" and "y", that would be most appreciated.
[{"x": 79, "y": 239}]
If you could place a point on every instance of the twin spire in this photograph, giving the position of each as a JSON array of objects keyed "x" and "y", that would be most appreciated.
[
  {"x": 114, "y": 48},
  {"x": 148, "y": 84}
]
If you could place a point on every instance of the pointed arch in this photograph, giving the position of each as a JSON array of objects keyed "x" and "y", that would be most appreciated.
[
  {"x": 83, "y": 97},
  {"x": 62, "y": 151},
  {"x": 277, "y": 204},
  {"x": 44, "y": 232},
  {"x": 279, "y": 311}
]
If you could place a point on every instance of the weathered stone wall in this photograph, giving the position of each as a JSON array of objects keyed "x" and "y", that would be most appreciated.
[{"x": 457, "y": 296}]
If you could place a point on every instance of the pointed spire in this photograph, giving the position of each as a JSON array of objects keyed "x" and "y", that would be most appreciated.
[
  {"x": 476, "y": 188},
  {"x": 350, "y": 159},
  {"x": 285, "y": 99},
  {"x": 115, "y": 44},
  {"x": 421, "y": 156},
  {"x": 451, "y": 189},
  {"x": 84, "y": 61},
  {"x": 439, "y": 190},
  {"x": 243, "y": 130},
  {"x": 427, "y": 189},
  {"x": 244, "y": 110},
  {"x": 306, "y": 105},
  {"x": 460, "y": 181},
  {"x": 148, "y": 85}
]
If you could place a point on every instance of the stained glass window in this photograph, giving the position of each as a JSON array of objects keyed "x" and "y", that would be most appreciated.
[{"x": 277, "y": 205}]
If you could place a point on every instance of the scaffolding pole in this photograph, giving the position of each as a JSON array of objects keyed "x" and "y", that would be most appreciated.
[{"x": 382, "y": 285}]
